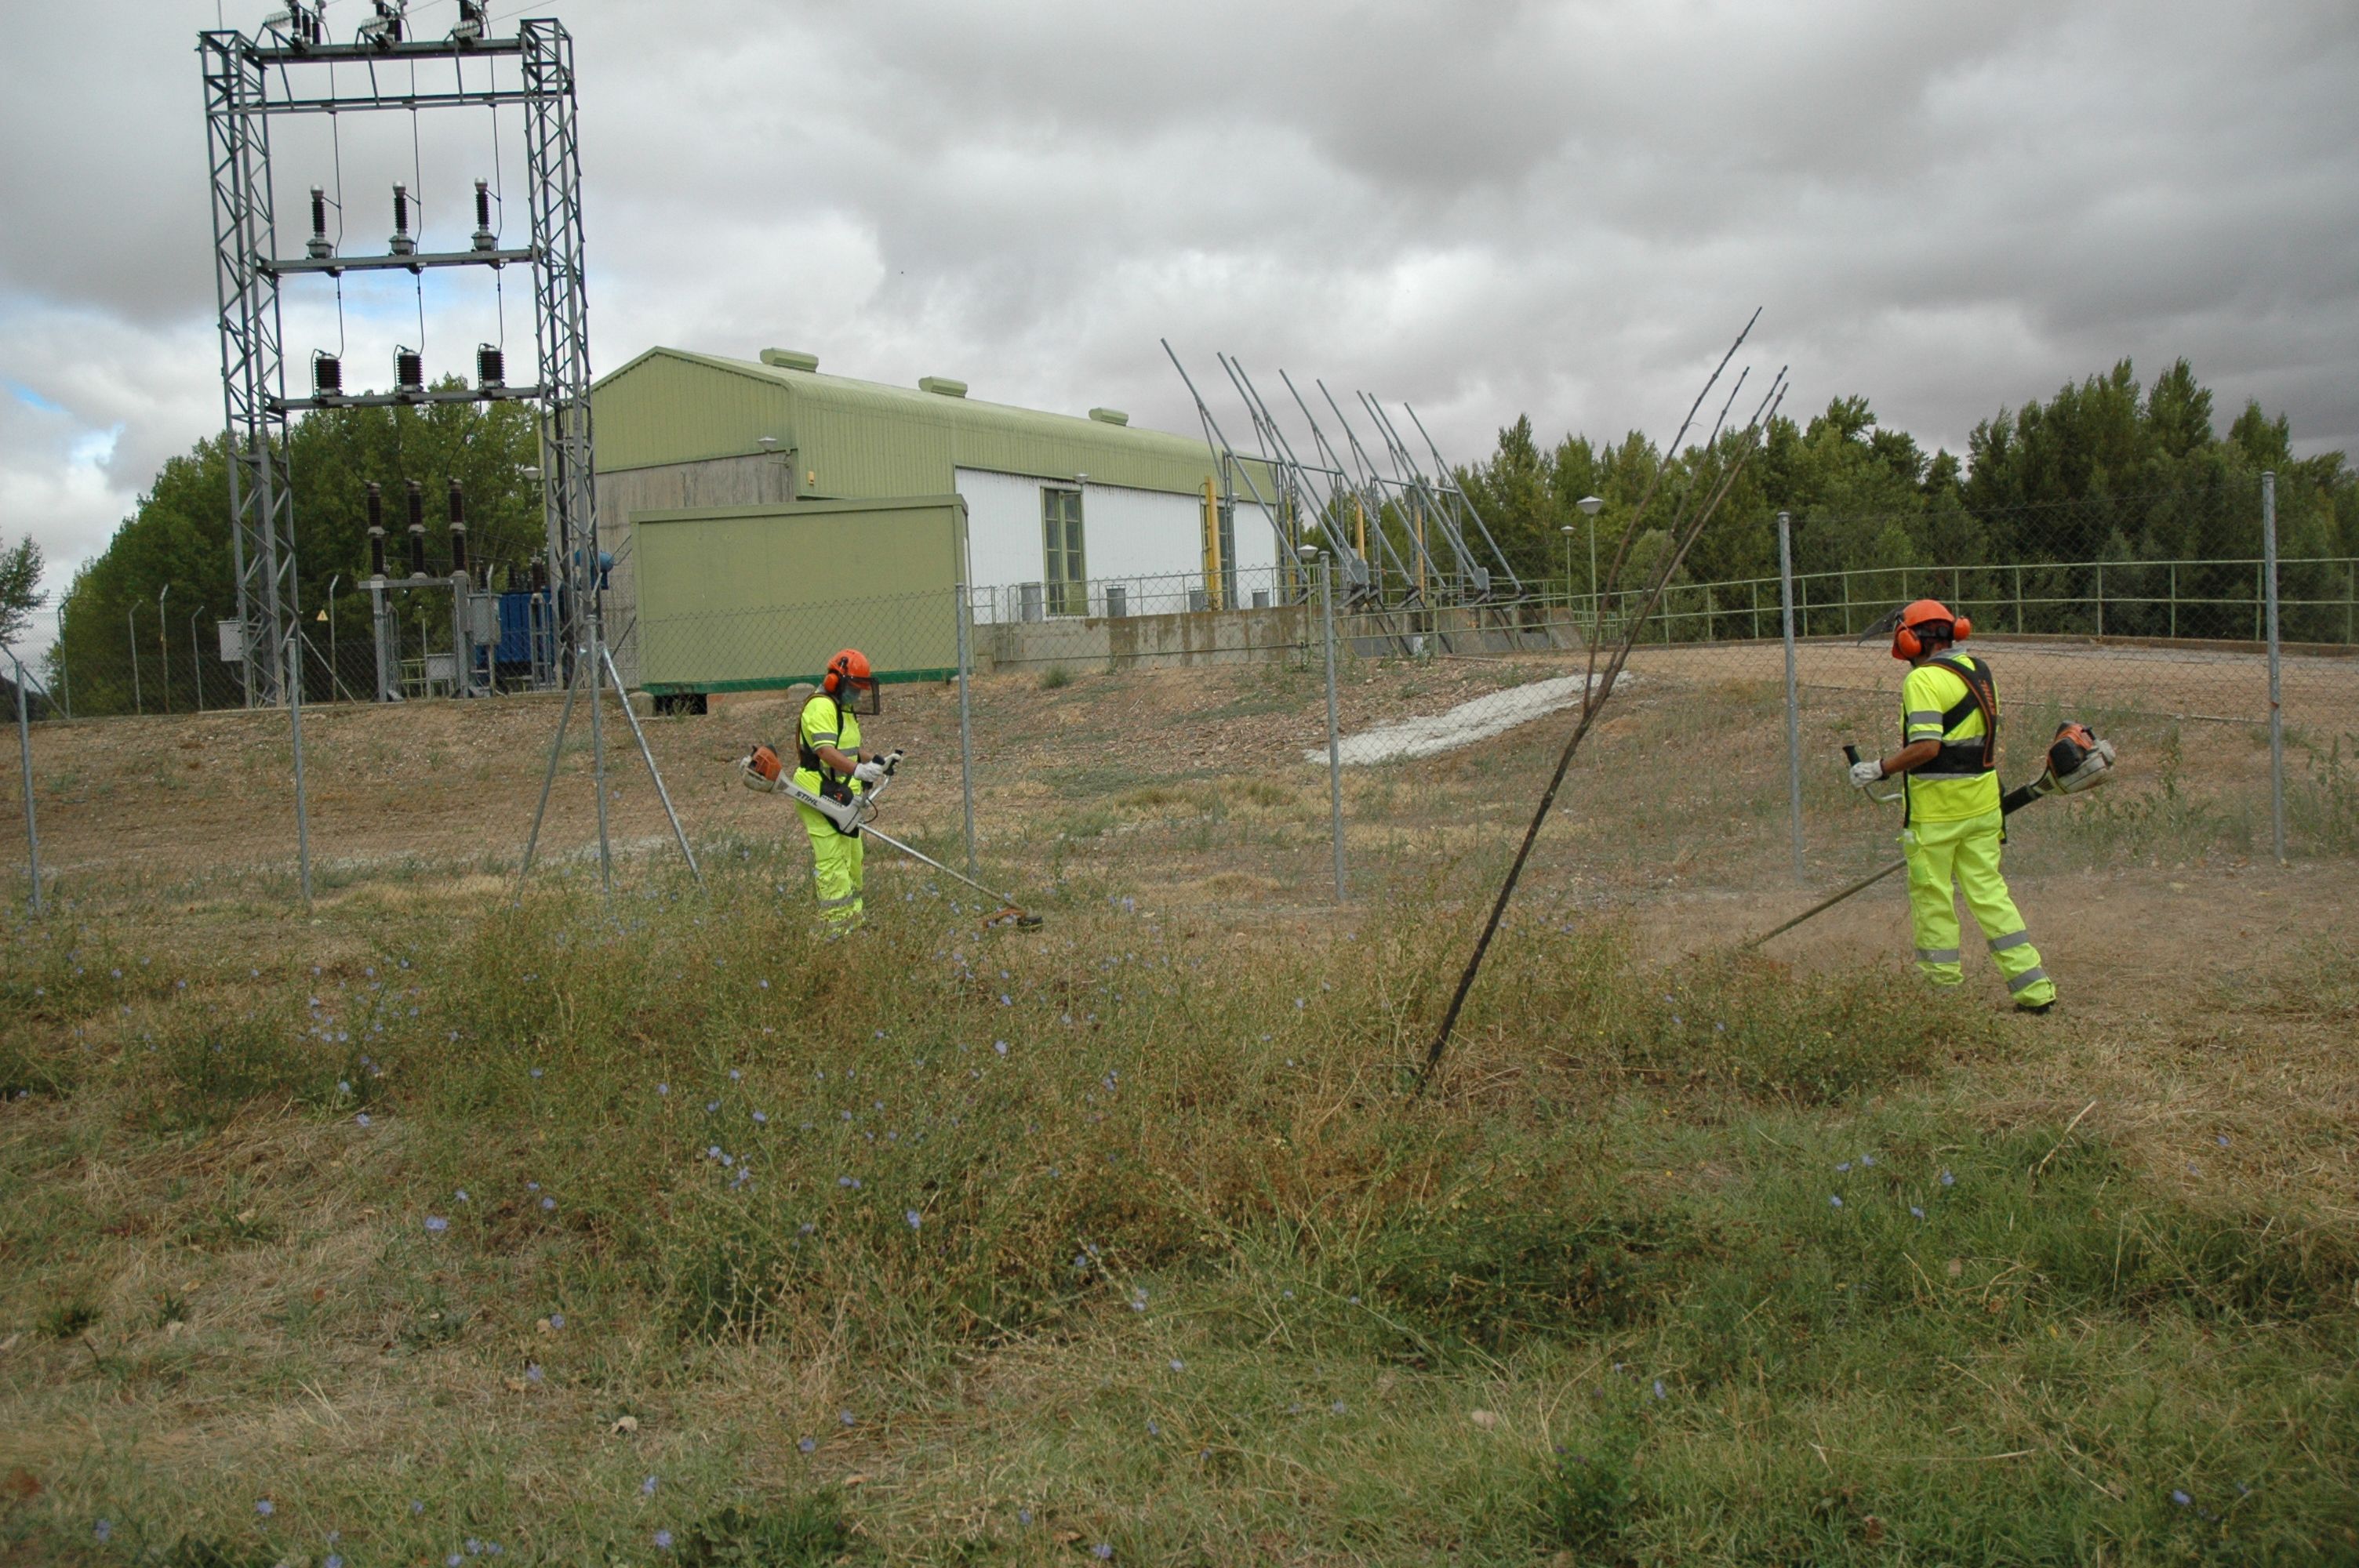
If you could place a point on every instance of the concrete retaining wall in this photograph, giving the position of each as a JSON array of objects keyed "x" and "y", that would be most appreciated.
[{"x": 1245, "y": 636}]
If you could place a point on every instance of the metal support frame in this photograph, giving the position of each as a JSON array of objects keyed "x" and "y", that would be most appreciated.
[
  {"x": 254, "y": 368},
  {"x": 248, "y": 82},
  {"x": 560, "y": 319}
]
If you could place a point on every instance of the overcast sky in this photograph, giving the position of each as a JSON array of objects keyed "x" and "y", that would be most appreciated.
[{"x": 1485, "y": 208}]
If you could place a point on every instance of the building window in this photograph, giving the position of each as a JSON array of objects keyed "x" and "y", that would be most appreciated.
[{"x": 1066, "y": 574}]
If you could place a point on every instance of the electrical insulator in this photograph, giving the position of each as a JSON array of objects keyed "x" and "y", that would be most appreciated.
[
  {"x": 491, "y": 365},
  {"x": 409, "y": 370},
  {"x": 457, "y": 503},
  {"x": 317, "y": 244},
  {"x": 417, "y": 529},
  {"x": 485, "y": 239},
  {"x": 376, "y": 550},
  {"x": 326, "y": 375},
  {"x": 472, "y": 22},
  {"x": 401, "y": 244},
  {"x": 385, "y": 29},
  {"x": 458, "y": 532}
]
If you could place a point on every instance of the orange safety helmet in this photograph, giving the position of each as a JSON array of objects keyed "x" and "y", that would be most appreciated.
[
  {"x": 849, "y": 667},
  {"x": 1925, "y": 625}
]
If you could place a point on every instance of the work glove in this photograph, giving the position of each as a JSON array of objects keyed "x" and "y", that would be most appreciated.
[
  {"x": 869, "y": 772},
  {"x": 1865, "y": 772}
]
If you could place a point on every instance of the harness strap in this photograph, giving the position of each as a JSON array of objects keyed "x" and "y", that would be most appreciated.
[
  {"x": 807, "y": 755},
  {"x": 1977, "y": 754}
]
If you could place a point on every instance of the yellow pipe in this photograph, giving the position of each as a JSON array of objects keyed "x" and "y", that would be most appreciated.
[{"x": 1212, "y": 549}]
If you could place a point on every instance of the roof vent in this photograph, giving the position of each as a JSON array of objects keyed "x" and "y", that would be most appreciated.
[
  {"x": 941, "y": 386},
  {"x": 789, "y": 358},
  {"x": 1109, "y": 416}
]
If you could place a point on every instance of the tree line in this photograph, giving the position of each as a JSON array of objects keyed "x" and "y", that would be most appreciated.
[
  {"x": 2105, "y": 471},
  {"x": 179, "y": 534}
]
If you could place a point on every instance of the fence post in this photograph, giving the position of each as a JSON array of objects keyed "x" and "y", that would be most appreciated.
[
  {"x": 964, "y": 611},
  {"x": 25, "y": 751},
  {"x": 1335, "y": 735},
  {"x": 2101, "y": 600},
  {"x": 2277, "y": 708},
  {"x": 2019, "y": 599},
  {"x": 2174, "y": 599},
  {"x": 288, "y": 655},
  {"x": 1793, "y": 696},
  {"x": 595, "y": 647}
]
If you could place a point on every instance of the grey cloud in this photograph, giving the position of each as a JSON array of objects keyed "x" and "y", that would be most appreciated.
[{"x": 1563, "y": 209}]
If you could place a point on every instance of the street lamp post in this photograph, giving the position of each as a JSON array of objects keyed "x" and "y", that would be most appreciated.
[
  {"x": 1567, "y": 530},
  {"x": 1590, "y": 505}
]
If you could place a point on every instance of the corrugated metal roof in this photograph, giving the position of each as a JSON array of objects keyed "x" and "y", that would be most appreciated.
[{"x": 856, "y": 438}]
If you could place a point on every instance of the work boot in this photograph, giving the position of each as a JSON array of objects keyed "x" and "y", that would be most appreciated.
[{"x": 2037, "y": 1008}]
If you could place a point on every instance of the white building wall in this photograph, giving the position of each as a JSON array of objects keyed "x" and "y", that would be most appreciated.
[
  {"x": 1004, "y": 542},
  {"x": 1150, "y": 542}
]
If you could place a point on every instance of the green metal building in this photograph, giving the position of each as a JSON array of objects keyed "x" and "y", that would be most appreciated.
[{"x": 741, "y": 498}]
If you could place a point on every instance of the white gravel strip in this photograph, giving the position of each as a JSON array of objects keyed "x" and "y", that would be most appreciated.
[{"x": 1462, "y": 725}]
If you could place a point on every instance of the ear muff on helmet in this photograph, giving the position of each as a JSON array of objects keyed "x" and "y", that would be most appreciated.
[
  {"x": 1927, "y": 624},
  {"x": 849, "y": 667}
]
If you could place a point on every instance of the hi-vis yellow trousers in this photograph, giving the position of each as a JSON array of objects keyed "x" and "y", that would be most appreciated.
[
  {"x": 1966, "y": 852},
  {"x": 835, "y": 869}
]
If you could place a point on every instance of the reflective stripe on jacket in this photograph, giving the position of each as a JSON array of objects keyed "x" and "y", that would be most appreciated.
[
  {"x": 826, "y": 724},
  {"x": 1936, "y": 704}
]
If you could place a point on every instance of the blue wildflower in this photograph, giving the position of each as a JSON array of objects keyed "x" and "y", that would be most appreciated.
[{"x": 437, "y": 1224}]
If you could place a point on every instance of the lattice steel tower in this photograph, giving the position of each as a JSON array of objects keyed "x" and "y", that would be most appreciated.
[{"x": 250, "y": 81}]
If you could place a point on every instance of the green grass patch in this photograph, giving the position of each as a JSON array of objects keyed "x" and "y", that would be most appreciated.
[{"x": 677, "y": 1232}]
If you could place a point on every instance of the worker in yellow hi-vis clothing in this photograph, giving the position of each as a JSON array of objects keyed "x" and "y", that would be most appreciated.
[
  {"x": 832, "y": 765},
  {"x": 1952, "y": 826}
]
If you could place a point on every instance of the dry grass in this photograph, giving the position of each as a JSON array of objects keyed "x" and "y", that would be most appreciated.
[{"x": 1822, "y": 1368}]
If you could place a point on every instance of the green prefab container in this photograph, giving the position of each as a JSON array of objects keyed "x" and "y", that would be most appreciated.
[{"x": 752, "y": 598}]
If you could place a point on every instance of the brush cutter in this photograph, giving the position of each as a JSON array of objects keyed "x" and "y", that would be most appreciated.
[
  {"x": 854, "y": 816},
  {"x": 2077, "y": 761}
]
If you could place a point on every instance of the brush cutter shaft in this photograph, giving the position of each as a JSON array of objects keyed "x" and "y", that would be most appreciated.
[
  {"x": 2092, "y": 772},
  {"x": 891, "y": 842}
]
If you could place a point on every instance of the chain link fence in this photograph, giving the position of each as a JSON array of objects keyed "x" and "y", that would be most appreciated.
[{"x": 1178, "y": 735}]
